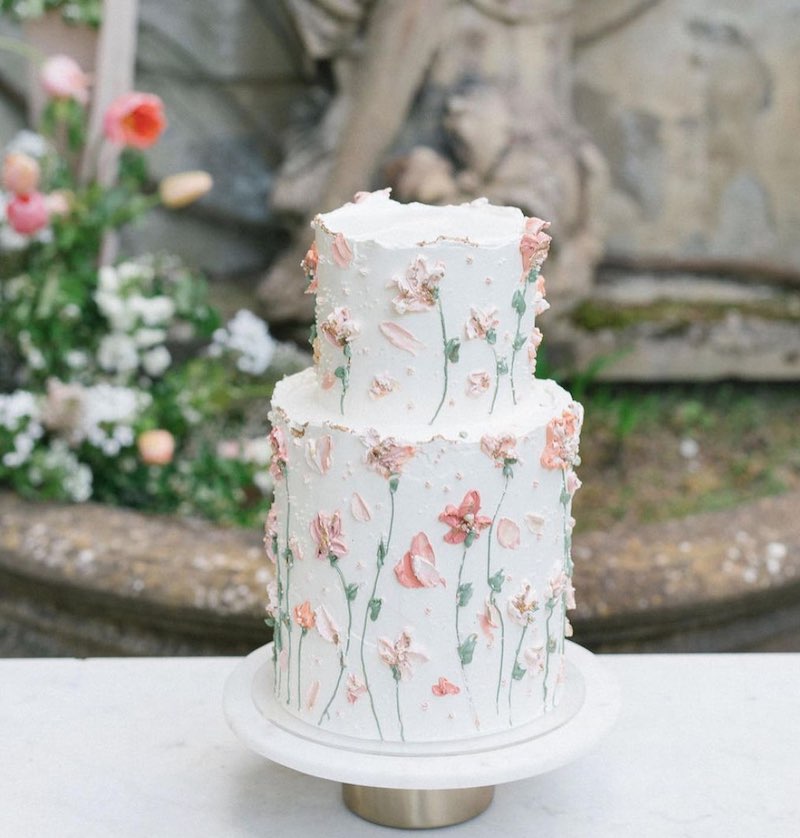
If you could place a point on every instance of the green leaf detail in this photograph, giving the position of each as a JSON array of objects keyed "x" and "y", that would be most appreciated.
[
  {"x": 381, "y": 553},
  {"x": 394, "y": 482},
  {"x": 518, "y": 672},
  {"x": 352, "y": 591},
  {"x": 464, "y": 594},
  {"x": 375, "y": 608},
  {"x": 507, "y": 470},
  {"x": 491, "y": 337},
  {"x": 340, "y": 372},
  {"x": 502, "y": 367},
  {"x": 347, "y": 351},
  {"x": 518, "y": 302},
  {"x": 270, "y": 621},
  {"x": 452, "y": 348},
  {"x": 467, "y": 649},
  {"x": 519, "y": 342},
  {"x": 496, "y": 581}
]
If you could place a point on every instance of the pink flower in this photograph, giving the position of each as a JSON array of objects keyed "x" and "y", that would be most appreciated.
[
  {"x": 296, "y": 549},
  {"x": 573, "y": 483},
  {"x": 156, "y": 448},
  {"x": 309, "y": 266},
  {"x": 27, "y": 214},
  {"x": 272, "y": 599},
  {"x": 62, "y": 78},
  {"x": 486, "y": 620},
  {"x": 540, "y": 304},
  {"x": 401, "y": 655},
  {"x": 522, "y": 607},
  {"x": 359, "y": 508},
  {"x": 326, "y": 530},
  {"x": 327, "y": 628},
  {"x": 534, "y": 245},
  {"x": 385, "y": 455},
  {"x": 341, "y": 251},
  {"x": 355, "y": 688},
  {"x": 277, "y": 441},
  {"x": 417, "y": 568},
  {"x": 20, "y": 173},
  {"x": 135, "y": 119},
  {"x": 400, "y": 337},
  {"x": 382, "y": 385},
  {"x": 444, "y": 687},
  {"x": 304, "y": 615},
  {"x": 563, "y": 438},
  {"x": 59, "y": 202},
  {"x": 535, "y": 523},
  {"x": 561, "y": 586},
  {"x": 508, "y": 533},
  {"x": 418, "y": 289},
  {"x": 534, "y": 657},
  {"x": 534, "y": 341},
  {"x": 502, "y": 449},
  {"x": 464, "y": 520},
  {"x": 478, "y": 383},
  {"x": 271, "y": 534},
  {"x": 339, "y": 328},
  {"x": 319, "y": 453},
  {"x": 480, "y": 323}
]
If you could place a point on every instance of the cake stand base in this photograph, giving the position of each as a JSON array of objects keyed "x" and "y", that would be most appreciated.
[
  {"x": 430, "y": 784},
  {"x": 416, "y": 808}
]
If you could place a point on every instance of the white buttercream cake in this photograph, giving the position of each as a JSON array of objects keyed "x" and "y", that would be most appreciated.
[{"x": 424, "y": 477}]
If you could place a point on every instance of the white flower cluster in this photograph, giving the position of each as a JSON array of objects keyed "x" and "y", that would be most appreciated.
[
  {"x": 248, "y": 336},
  {"x": 20, "y": 416},
  {"x": 138, "y": 323}
]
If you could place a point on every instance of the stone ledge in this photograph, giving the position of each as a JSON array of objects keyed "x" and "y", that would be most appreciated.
[{"x": 100, "y": 580}]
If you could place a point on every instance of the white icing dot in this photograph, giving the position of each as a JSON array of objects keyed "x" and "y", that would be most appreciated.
[
  {"x": 428, "y": 484},
  {"x": 423, "y": 706},
  {"x": 410, "y": 406},
  {"x": 410, "y": 371},
  {"x": 488, "y": 280},
  {"x": 428, "y": 611},
  {"x": 445, "y": 489},
  {"x": 459, "y": 475},
  {"x": 451, "y": 716},
  {"x": 470, "y": 259}
]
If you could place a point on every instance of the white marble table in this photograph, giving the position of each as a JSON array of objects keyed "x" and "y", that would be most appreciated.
[{"x": 705, "y": 746}]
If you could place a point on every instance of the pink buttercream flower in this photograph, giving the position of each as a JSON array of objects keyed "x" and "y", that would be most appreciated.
[
  {"x": 385, "y": 455},
  {"x": 478, "y": 383},
  {"x": 401, "y": 337},
  {"x": 341, "y": 251},
  {"x": 355, "y": 688},
  {"x": 508, "y": 534},
  {"x": 534, "y": 245},
  {"x": 382, "y": 385},
  {"x": 481, "y": 323},
  {"x": 339, "y": 328},
  {"x": 464, "y": 520},
  {"x": 563, "y": 438},
  {"x": 402, "y": 655},
  {"x": 271, "y": 534},
  {"x": 326, "y": 626},
  {"x": 417, "y": 568},
  {"x": 535, "y": 659},
  {"x": 502, "y": 449},
  {"x": 20, "y": 173},
  {"x": 135, "y": 119},
  {"x": 277, "y": 465},
  {"x": 522, "y": 607},
  {"x": 561, "y": 586},
  {"x": 486, "y": 620},
  {"x": 540, "y": 304},
  {"x": 319, "y": 453},
  {"x": 272, "y": 599},
  {"x": 360, "y": 509},
  {"x": 304, "y": 615},
  {"x": 156, "y": 447},
  {"x": 27, "y": 214},
  {"x": 59, "y": 202},
  {"x": 309, "y": 266},
  {"x": 444, "y": 687},
  {"x": 62, "y": 78},
  {"x": 326, "y": 530},
  {"x": 534, "y": 342},
  {"x": 573, "y": 483},
  {"x": 418, "y": 289}
]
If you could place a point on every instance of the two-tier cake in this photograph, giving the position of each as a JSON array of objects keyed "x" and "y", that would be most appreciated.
[{"x": 423, "y": 480}]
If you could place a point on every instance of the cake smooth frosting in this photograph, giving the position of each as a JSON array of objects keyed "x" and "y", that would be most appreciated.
[{"x": 421, "y": 543}]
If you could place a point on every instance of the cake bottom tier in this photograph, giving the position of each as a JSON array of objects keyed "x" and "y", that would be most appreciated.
[{"x": 422, "y": 581}]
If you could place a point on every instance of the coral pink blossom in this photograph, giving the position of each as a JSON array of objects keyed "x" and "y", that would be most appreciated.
[
  {"x": 277, "y": 441},
  {"x": 418, "y": 288},
  {"x": 444, "y": 687},
  {"x": 561, "y": 586},
  {"x": 382, "y": 385},
  {"x": 417, "y": 568},
  {"x": 522, "y": 607},
  {"x": 62, "y": 78},
  {"x": 401, "y": 655},
  {"x": 20, "y": 173},
  {"x": 135, "y": 119},
  {"x": 508, "y": 533},
  {"x": 326, "y": 626},
  {"x": 385, "y": 455},
  {"x": 341, "y": 251},
  {"x": 464, "y": 520},
  {"x": 355, "y": 688},
  {"x": 480, "y": 323},
  {"x": 401, "y": 337},
  {"x": 304, "y": 615},
  {"x": 534, "y": 245},
  {"x": 319, "y": 453},
  {"x": 502, "y": 449},
  {"x": 156, "y": 448},
  {"x": 326, "y": 530},
  {"x": 486, "y": 620},
  {"x": 339, "y": 328},
  {"x": 563, "y": 438},
  {"x": 359, "y": 508},
  {"x": 270, "y": 534},
  {"x": 27, "y": 214},
  {"x": 478, "y": 383},
  {"x": 309, "y": 266}
]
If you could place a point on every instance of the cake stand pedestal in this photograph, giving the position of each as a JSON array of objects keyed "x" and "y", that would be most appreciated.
[{"x": 416, "y": 786}]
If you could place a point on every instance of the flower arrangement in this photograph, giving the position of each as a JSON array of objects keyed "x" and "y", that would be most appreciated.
[{"x": 117, "y": 380}]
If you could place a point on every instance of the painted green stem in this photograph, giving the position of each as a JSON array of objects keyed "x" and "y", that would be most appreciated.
[
  {"x": 299, "y": 664},
  {"x": 397, "y": 704},
  {"x": 335, "y": 689},
  {"x": 514, "y": 357},
  {"x": 513, "y": 669},
  {"x": 349, "y": 608},
  {"x": 496, "y": 380},
  {"x": 547, "y": 652},
  {"x": 492, "y": 594},
  {"x": 444, "y": 354}
]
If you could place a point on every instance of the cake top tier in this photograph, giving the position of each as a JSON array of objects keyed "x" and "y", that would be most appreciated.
[{"x": 425, "y": 312}]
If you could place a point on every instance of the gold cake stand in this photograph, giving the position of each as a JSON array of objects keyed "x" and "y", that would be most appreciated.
[{"x": 419, "y": 786}]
